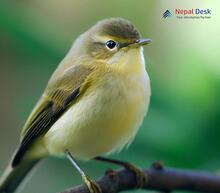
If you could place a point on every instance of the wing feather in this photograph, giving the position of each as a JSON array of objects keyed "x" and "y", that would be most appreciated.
[{"x": 58, "y": 96}]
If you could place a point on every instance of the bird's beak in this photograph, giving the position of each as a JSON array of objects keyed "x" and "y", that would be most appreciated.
[
  {"x": 137, "y": 43},
  {"x": 142, "y": 42}
]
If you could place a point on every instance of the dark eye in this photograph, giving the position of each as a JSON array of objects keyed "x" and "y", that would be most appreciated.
[{"x": 111, "y": 44}]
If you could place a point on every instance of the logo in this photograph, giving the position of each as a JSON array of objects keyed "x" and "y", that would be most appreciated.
[
  {"x": 167, "y": 14},
  {"x": 193, "y": 13}
]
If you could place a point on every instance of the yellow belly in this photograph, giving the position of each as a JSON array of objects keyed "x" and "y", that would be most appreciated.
[{"x": 102, "y": 121}]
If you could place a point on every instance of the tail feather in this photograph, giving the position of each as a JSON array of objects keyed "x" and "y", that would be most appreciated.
[{"x": 12, "y": 177}]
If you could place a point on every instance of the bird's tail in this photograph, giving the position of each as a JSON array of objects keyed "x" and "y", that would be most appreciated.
[{"x": 12, "y": 177}]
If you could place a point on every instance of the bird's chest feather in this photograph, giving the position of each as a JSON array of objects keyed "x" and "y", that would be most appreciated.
[
  {"x": 104, "y": 119},
  {"x": 123, "y": 102}
]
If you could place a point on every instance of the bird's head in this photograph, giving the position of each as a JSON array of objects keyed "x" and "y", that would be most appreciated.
[{"x": 110, "y": 40}]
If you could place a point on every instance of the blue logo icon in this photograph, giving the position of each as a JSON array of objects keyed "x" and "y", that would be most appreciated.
[{"x": 167, "y": 14}]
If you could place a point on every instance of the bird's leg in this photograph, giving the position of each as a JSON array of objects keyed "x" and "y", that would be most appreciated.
[
  {"x": 141, "y": 178},
  {"x": 91, "y": 185}
]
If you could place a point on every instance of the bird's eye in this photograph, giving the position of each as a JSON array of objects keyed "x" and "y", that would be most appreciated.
[{"x": 111, "y": 44}]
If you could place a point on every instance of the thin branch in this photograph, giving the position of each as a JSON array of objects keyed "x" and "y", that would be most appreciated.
[{"x": 159, "y": 178}]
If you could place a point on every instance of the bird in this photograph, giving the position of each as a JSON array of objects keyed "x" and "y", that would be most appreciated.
[{"x": 92, "y": 106}]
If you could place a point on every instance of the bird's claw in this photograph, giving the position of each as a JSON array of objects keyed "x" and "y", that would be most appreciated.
[
  {"x": 91, "y": 185},
  {"x": 141, "y": 178}
]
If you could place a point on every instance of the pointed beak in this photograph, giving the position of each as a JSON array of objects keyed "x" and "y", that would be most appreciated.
[
  {"x": 136, "y": 44},
  {"x": 142, "y": 42}
]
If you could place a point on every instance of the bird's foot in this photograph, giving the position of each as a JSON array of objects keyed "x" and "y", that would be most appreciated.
[
  {"x": 91, "y": 185},
  {"x": 141, "y": 178}
]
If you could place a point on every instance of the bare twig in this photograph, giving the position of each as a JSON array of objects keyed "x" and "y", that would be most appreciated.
[{"x": 159, "y": 178}]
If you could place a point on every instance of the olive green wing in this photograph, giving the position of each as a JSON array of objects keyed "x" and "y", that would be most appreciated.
[{"x": 60, "y": 93}]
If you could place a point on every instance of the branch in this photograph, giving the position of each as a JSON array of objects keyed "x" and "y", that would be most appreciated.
[{"x": 159, "y": 178}]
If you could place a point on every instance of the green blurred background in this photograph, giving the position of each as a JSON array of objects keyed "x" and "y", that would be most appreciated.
[{"x": 182, "y": 126}]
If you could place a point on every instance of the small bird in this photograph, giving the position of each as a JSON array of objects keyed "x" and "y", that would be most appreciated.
[{"x": 93, "y": 104}]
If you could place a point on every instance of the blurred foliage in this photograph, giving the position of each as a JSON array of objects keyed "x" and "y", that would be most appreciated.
[{"x": 182, "y": 126}]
